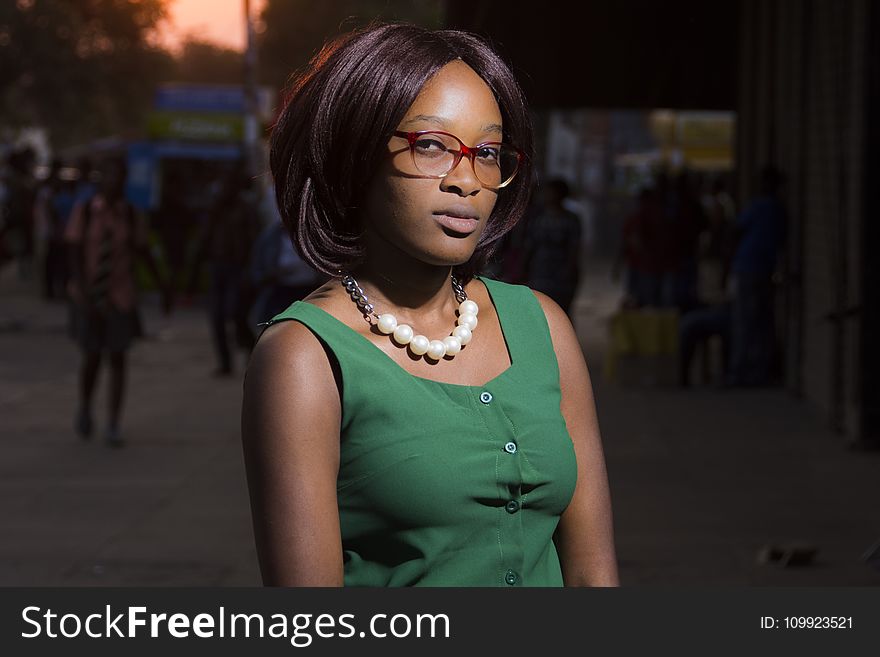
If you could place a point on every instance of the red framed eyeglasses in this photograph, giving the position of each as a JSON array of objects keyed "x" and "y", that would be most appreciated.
[{"x": 435, "y": 154}]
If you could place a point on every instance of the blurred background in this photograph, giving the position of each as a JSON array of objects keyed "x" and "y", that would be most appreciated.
[{"x": 707, "y": 172}]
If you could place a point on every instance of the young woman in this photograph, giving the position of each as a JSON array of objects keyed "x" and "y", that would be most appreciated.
[{"x": 411, "y": 422}]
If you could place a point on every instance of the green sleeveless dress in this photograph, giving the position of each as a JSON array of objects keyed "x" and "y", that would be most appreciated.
[{"x": 444, "y": 484}]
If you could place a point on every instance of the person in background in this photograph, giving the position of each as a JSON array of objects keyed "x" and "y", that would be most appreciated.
[
  {"x": 712, "y": 317},
  {"x": 761, "y": 230},
  {"x": 278, "y": 273},
  {"x": 54, "y": 203},
  {"x": 17, "y": 225},
  {"x": 106, "y": 236},
  {"x": 688, "y": 223},
  {"x": 695, "y": 328},
  {"x": 554, "y": 242},
  {"x": 638, "y": 253},
  {"x": 716, "y": 242},
  {"x": 171, "y": 224},
  {"x": 509, "y": 262},
  {"x": 226, "y": 242},
  {"x": 85, "y": 186}
]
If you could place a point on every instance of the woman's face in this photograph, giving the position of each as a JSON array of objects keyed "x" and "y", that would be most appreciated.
[{"x": 406, "y": 211}]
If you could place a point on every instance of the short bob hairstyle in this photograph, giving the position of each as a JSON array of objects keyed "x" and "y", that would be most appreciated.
[{"x": 338, "y": 116}]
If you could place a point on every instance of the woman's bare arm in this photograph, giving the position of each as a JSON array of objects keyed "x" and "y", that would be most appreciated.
[
  {"x": 585, "y": 535},
  {"x": 290, "y": 433}
]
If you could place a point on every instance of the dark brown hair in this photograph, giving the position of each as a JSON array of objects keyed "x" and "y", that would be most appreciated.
[{"x": 338, "y": 116}]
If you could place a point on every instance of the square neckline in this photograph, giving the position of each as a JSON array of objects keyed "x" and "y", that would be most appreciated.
[{"x": 504, "y": 335}]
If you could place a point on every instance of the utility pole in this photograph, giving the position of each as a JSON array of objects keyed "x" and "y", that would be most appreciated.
[{"x": 252, "y": 154}]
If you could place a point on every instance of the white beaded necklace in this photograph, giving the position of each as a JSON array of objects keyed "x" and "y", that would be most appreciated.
[{"x": 404, "y": 334}]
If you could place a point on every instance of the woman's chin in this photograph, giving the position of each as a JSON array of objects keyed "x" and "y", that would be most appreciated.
[{"x": 449, "y": 259}]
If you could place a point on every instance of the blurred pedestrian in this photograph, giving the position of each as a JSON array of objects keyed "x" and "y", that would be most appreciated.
[
  {"x": 172, "y": 224},
  {"x": 695, "y": 329},
  {"x": 226, "y": 242},
  {"x": 554, "y": 247},
  {"x": 86, "y": 177},
  {"x": 663, "y": 243},
  {"x": 712, "y": 315},
  {"x": 639, "y": 252},
  {"x": 687, "y": 223},
  {"x": 761, "y": 229},
  {"x": 509, "y": 263},
  {"x": 17, "y": 212},
  {"x": 280, "y": 276},
  {"x": 52, "y": 209},
  {"x": 716, "y": 242},
  {"x": 106, "y": 236}
]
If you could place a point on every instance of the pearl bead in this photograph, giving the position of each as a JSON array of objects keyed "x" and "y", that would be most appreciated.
[
  {"x": 403, "y": 333},
  {"x": 467, "y": 319},
  {"x": 453, "y": 345},
  {"x": 436, "y": 349},
  {"x": 468, "y": 306},
  {"x": 419, "y": 344},
  {"x": 387, "y": 323},
  {"x": 463, "y": 333}
]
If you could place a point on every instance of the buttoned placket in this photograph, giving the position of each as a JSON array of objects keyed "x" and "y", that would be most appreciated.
[{"x": 509, "y": 471}]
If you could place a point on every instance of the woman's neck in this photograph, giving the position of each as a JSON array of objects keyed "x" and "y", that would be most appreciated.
[{"x": 416, "y": 290}]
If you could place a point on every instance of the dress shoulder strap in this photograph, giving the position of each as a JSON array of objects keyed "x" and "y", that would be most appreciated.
[
  {"x": 525, "y": 327},
  {"x": 351, "y": 349},
  {"x": 324, "y": 325}
]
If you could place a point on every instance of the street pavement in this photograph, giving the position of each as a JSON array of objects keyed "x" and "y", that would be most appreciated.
[{"x": 701, "y": 480}]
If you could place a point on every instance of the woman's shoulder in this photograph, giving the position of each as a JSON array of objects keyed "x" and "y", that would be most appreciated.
[
  {"x": 289, "y": 349},
  {"x": 556, "y": 316},
  {"x": 286, "y": 350},
  {"x": 566, "y": 343},
  {"x": 291, "y": 366}
]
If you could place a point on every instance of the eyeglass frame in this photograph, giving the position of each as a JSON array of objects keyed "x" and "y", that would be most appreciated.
[{"x": 464, "y": 151}]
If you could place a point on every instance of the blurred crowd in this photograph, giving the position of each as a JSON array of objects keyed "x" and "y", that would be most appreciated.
[
  {"x": 686, "y": 247},
  {"x": 70, "y": 229}
]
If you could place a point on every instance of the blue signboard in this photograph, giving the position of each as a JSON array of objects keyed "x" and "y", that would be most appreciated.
[
  {"x": 200, "y": 98},
  {"x": 212, "y": 98}
]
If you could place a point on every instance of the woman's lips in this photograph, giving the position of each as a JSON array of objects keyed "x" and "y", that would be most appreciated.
[{"x": 458, "y": 224}]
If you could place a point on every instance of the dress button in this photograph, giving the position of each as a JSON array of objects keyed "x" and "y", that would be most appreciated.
[
  {"x": 511, "y": 577},
  {"x": 485, "y": 396},
  {"x": 512, "y": 506},
  {"x": 510, "y": 448}
]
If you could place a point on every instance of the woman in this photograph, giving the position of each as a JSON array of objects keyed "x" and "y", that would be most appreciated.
[{"x": 378, "y": 457}]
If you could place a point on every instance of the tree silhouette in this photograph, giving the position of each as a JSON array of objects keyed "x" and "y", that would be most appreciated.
[
  {"x": 205, "y": 62},
  {"x": 291, "y": 31},
  {"x": 80, "y": 68}
]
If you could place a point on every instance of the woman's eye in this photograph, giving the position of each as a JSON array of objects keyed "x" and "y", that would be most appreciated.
[
  {"x": 487, "y": 153},
  {"x": 430, "y": 145}
]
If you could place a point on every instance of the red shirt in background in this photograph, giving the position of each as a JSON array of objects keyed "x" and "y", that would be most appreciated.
[{"x": 122, "y": 289}]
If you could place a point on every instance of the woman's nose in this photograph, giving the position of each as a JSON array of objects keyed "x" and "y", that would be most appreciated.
[{"x": 462, "y": 179}]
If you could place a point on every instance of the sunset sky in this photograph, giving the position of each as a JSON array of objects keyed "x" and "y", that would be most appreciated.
[{"x": 220, "y": 21}]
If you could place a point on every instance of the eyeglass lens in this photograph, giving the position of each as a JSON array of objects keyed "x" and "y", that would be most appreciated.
[{"x": 494, "y": 164}]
